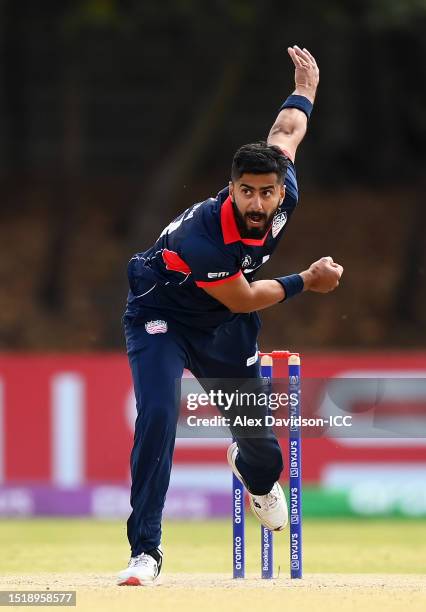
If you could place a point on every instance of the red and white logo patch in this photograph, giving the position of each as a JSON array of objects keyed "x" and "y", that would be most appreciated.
[{"x": 156, "y": 327}]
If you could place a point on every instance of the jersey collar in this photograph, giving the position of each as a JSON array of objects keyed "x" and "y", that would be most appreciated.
[{"x": 230, "y": 229}]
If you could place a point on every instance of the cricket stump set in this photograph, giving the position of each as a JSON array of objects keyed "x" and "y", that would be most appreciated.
[{"x": 295, "y": 483}]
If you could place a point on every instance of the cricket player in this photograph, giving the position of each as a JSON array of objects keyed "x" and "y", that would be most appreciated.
[{"x": 193, "y": 303}]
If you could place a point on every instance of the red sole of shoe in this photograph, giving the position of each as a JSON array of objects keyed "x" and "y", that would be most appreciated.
[{"x": 130, "y": 582}]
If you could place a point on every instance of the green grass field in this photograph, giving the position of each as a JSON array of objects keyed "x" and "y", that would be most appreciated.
[
  {"x": 344, "y": 546},
  {"x": 348, "y": 564}
]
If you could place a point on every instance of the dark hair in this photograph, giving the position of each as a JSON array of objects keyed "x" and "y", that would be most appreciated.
[{"x": 259, "y": 158}]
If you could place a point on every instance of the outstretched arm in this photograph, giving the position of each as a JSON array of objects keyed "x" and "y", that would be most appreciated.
[
  {"x": 290, "y": 126},
  {"x": 240, "y": 296}
]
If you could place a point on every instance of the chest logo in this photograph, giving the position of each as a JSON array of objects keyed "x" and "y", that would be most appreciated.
[
  {"x": 246, "y": 261},
  {"x": 278, "y": 223}
]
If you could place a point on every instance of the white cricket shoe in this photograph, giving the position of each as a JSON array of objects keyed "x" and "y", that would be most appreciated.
[
  {"x": 142, "y": 570},
  {"x": 270, "y": 509}
]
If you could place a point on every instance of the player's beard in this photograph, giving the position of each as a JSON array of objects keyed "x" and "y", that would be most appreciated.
[{"x": 252, "y": 232}]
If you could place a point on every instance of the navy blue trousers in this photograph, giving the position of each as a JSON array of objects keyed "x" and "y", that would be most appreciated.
[{"x": 157, "y": 361}]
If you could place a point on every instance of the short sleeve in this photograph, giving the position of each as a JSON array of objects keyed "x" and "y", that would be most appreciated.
[
  {"x": 209, "y": 264},
  {"x": 291, "y": 189}
]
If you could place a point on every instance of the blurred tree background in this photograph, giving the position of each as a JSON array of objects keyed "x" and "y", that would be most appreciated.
[{"x": 116, "y": 115}]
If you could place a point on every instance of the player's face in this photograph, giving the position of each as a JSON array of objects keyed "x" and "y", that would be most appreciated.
[{"x": 256, "y": 197}]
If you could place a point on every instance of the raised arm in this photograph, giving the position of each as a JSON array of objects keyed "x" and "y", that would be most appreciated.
[{"x": 290, "y": 125}]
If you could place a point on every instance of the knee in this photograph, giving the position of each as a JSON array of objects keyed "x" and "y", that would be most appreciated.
[
  {"x": 263, "y": 453},
  {"x": 276, "y": 458},
  {"x": 156, "y": 415}
]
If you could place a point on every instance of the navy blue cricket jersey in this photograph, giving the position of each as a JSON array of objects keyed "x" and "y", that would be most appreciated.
[{"x": 200, "y": 248}]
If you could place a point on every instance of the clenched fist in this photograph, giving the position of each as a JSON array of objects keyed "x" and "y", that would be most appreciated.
[{"x": 322, "y": 276}]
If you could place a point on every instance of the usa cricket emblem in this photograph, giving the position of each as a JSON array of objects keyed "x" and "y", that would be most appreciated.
[{"x": 278, "y": 223}]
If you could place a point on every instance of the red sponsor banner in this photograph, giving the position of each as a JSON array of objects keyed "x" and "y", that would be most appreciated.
[
  {"x": 43, "y": 440},
  {"x": 28, "y": 405}
]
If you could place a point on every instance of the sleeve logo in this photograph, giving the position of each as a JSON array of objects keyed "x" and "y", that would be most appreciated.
[{"x": 217, "y": 274}]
